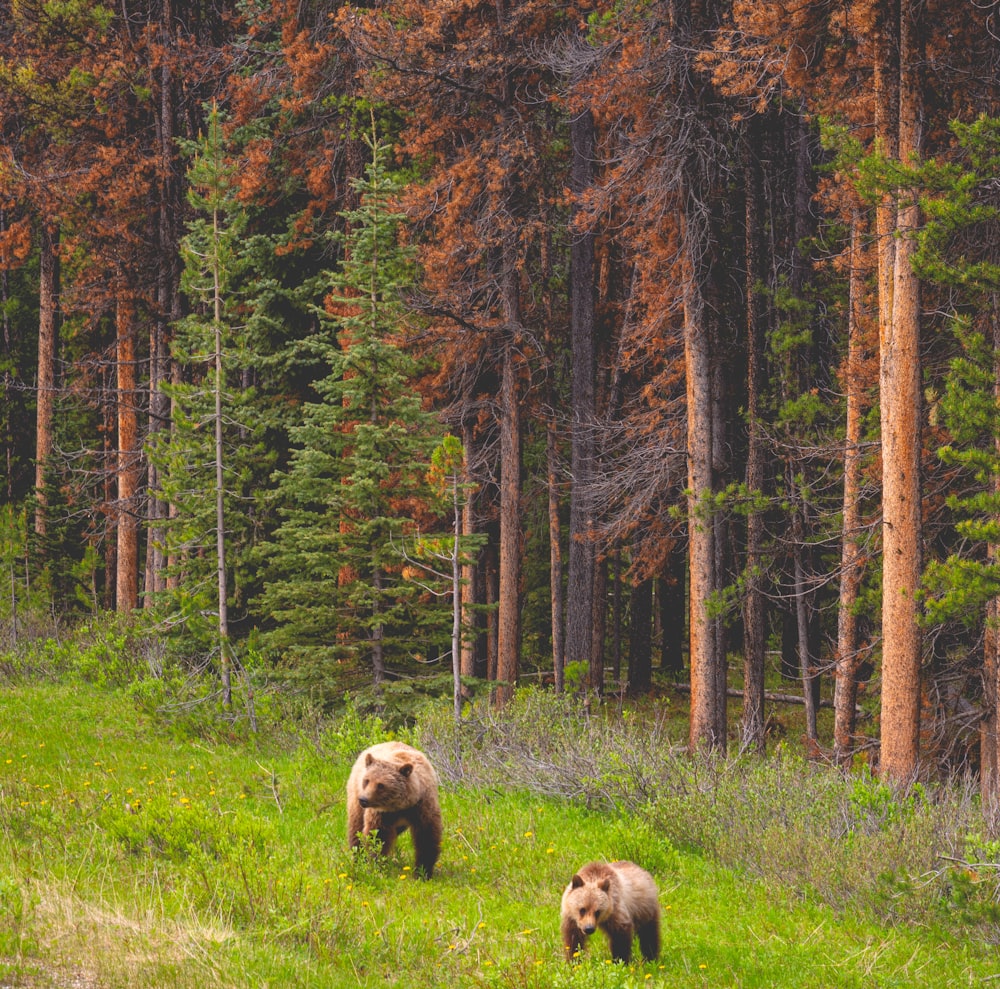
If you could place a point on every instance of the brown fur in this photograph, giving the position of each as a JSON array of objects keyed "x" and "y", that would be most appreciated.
[
  {"x": 619, "y": 898},
  {"x": 393, "y": 787}
]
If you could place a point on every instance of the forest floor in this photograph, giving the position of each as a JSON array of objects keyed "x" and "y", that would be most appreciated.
[{"x": 140, "y": 849}]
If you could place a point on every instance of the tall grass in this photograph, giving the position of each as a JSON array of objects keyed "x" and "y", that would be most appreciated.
[
  {"x": 847, "y": 841},
  {"x": 146, "y": 849}
]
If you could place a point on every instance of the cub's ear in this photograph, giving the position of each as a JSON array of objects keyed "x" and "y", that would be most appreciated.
[
  {"x": 369, "y": 759},
  {"x": 605, "y": 885},
  {"x": 576, "y": 882},
  {"x": 406, "y": 769}
]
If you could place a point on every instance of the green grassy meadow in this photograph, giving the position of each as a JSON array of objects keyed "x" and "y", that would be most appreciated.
[{"x": 133, "y": 853}]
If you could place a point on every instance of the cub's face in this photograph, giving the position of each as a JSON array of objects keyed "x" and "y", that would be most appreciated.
[
  {"x": 588, "y": 903},
  {"x": 385, "y": 787}
]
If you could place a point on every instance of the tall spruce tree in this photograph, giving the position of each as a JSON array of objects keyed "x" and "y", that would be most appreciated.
[
  {"x": 341, "y": 590},
  {"x": 958, "y": 253},
  {"x": 201, "y": 460}
]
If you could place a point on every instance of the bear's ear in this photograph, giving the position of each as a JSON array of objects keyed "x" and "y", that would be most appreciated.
[
  {"x": 576, "y": 882},
  {"x": 405, "y": 770},
  {"x": 604, "y": 885},
  {"x": 369, "y": 759}
]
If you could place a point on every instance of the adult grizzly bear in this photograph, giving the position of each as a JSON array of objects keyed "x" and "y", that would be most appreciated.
[
  {"x": 622, "y": 900},
  {"x": 393, "y": 787}
]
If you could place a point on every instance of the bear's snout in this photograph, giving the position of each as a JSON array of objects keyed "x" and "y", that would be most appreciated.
[
  {"x": 589, "y": 928},
  {"x": 364, "y": 801}
]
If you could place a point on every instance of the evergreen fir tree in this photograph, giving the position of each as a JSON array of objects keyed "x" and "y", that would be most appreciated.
[
  {"x": 341, "y": 587},
  {"x": 957, "y": 251},
  {"x": 205, "y": 457}
]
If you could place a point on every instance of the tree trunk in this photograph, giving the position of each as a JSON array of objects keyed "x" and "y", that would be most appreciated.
[
  {"x": 48, "y": 334},
  {"x": 377, "y": 633},
  {"x": 899, "y": 389},
  {"x": 672, "y": 598},
  {"x": 596, "y": 678},
  {"x": 555, "y": 558},
  {"x": 989, "y": 731},
  {"x": 720, "y": 529},
  {"x": 8, "y": 380},
  {"x": 640, "y": 656},
  {"x": 845, "y": 691},
  {"x": 469, "y": 570},
  {"x": 168, "y": 300},
  {"x": 508, "y": 616},
  {"x": 802, "y": 622},
  {"x": 128, "y": 464},
  {"x": 705, "y": 727},
  {"x": 220, "y": 490},
  {"x": 580, "y": 602},
  {"x": 754, "y": 605},
  {"x": 491, "y": 596},
  {"x": 616, "y": 614}
]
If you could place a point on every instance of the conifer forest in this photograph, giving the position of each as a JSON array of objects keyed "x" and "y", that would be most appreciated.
[{"x": 458, "y": 344}]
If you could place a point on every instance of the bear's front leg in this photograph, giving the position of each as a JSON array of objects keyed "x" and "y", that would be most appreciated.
[
  {"x": 355, "y": 823},
  {"x": 387, "y": 833},
  {"x": 573, "y": 939}
]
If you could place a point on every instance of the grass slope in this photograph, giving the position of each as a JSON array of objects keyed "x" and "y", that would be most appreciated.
[{"x": 132, "y": 856}]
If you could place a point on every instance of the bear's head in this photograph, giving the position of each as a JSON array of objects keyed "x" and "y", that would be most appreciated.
[
  {"x": 386, "y": 786},
  {"x": 588, "y": 902}
]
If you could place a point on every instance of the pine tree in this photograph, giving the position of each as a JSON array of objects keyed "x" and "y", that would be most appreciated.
[
  {"x": 957, "y": 250},
  {"x": 341, "y": 587},
  {"x": 200, "y": 459}
]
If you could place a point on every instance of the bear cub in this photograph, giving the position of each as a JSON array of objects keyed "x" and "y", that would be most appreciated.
[
  {"x": 393, "y": 787},
  {"x": 619, "y": 898}
]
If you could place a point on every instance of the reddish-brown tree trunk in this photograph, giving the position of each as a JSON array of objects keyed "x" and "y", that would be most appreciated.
[
  {"x": 555, "y": 557},
  {"x": 845, "y": 691},
  {"x": 128, "y": 466},
  {"x": 48, "y": 332},
  {"x": 706, "y": 721},
  {"x": 509, "y": 611},
  {"x": 754, "y": 606},
  {"x": 168, "y": 298},
  {"x": 582, "y": 557},
  {"x": 899, "y": 389}
]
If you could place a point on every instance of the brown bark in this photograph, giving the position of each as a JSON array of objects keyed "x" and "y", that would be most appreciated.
[
  {"x": 989, "y": 731},
  {"x": 705, "y": 719},
  {"x": 640, "y": 659},
  {"x": 555, "y": 558},
  {"x": 469, "y": 575},
  {"x": 672, "y": 611},
  {"x": 754, "y": 606},
  {"x": 168, "y": 299},
  {"x": 48, "y": 332},
  {"x": 580, "y": 602},
  {"x": 899, "y": 388},
  {"x": 596, "y": 678},
  {"x": 509, "y": 612},
  {"x": 128, "y": 464},
  {"x": 845, "y": 691}
]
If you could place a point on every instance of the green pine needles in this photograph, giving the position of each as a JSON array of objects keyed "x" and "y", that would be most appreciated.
[
  {"x": 205, "y": 461},
  {"x": 963, "y": 221},
  {"x": 341, "y": 590}
]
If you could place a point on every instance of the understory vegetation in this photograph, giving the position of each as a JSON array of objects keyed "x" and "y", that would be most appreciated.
[{"x": 150, "y": 838}]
